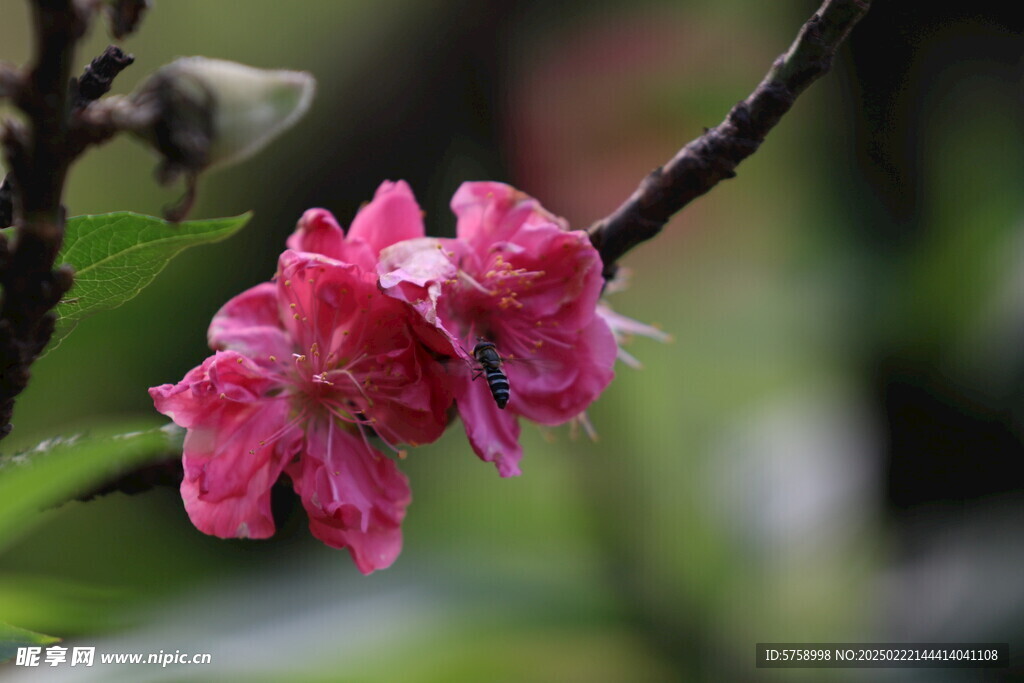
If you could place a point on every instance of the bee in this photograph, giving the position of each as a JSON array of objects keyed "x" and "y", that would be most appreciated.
[{"x": 486, "y": 354}]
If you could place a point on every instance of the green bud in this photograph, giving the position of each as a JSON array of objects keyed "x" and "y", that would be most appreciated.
[{"x": 202, "y": 112}]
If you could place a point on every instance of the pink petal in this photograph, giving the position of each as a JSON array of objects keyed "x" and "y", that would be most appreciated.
[
  {"x": 410, "y": 394},
  {"x": 238, "y": 442},
  {"x": 565, "y": 379},
  {"x": 568, "y": 282},
  {"x": 354, "y": 496},
  {"x": 490, "y": 212},
  {"x": 414, "y": 271},
  {"x": 493, "y": 433},
  {"x": 318, "y": 232},
  {"x": 249, "y": 323},
  {"x": 420, "y": 262},
  {"x": 391, "y": 217},
  {"x": 321, "y": 301}
]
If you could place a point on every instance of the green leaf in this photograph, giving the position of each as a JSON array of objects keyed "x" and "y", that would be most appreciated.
[
  {"x": 12, "y": 637},
  {"x": 59, "y": 469},
  {"x": 116, "y": 255}
]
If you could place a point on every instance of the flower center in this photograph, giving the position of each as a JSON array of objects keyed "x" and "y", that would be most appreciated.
[{"x": 491, "y": 295}]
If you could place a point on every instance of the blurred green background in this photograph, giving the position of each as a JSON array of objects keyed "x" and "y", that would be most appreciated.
[{"x": 829, "y": 451}]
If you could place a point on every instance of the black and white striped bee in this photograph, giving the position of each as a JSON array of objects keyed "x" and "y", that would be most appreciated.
[{"x": 486, "y": 354}]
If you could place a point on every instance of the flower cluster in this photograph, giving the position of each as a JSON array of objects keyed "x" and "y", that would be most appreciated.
[{"x": 370, "y": 335}]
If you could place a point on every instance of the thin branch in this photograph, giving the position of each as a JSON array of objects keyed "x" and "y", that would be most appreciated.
[
  {"x": 166, "y": 472},
  {"x": 97, "y": 78},
  {"x": 712, "y": 157}
]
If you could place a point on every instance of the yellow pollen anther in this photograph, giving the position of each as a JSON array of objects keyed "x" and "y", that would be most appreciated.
[
  {"x": 508, "y": 301},
  {"x": 292, "y": 305},
  {"x": 273, "y": 359},
  {"x": 287, "y": 283},
  {"x": 223, "y": 395},
  {"x": 239, "y": 361},
  {"x": 296, "y": 316}
]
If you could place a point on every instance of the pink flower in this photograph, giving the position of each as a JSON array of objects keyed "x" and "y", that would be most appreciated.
[
  {"x": 515, "y": 276},
  {"x": 305, "y": 366}
]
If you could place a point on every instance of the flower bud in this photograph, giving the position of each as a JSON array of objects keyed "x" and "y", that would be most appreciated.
[{"x": 204, "y": 112}]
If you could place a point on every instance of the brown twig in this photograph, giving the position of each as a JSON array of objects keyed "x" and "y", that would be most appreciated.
[
  {"x": 97, "y": 78},
  {"x": 39, "y": 153},
  {"x": 712, "y": 157}
]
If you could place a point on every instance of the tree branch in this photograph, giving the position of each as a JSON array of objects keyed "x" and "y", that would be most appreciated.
[
  {"x": 38, "y": 160},
  {"x": 712, "y": 157}
]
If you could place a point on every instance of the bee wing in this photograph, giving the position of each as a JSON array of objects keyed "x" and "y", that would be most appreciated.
[
  {"x": 458, "y": 366},
  {"x": 531, "y": 366}
]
